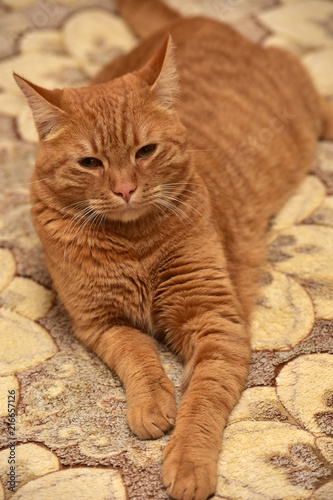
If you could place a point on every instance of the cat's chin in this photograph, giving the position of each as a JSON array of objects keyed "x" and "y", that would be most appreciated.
[{"x": 129, "y": 214}]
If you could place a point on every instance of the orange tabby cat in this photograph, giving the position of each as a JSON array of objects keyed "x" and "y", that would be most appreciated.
[{"x": 152, "y": 193}]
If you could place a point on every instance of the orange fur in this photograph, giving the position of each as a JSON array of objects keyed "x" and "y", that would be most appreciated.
[{"x": 169, "y": 245}]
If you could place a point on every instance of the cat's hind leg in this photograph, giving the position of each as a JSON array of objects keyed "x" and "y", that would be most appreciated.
[{"x": 133, "y": 356}]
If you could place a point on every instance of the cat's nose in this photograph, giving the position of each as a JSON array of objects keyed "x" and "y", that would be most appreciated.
[{"x": 125, "y": 190}]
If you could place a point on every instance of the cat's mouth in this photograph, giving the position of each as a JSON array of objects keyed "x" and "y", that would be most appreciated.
[
  {"x": 123, "y": 212},
  {"x": 129, "y": 212}
]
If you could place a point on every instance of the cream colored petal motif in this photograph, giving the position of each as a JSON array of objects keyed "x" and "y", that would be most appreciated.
[
  {"x": 7, "y": 268},
  {"x": 31, "y": 461},
  {"x": 105, "y": 36},
  {"x": 309, "y": 196},
  {"x": 23, "y": 343},
  {"x": 190, "y": 7},
  {"x": 7, "y": 384},
  {"x": 259, "y": 403},
  {"x": 284, "y": 43},
  {"x": 290, "y": 2},
  {"x": 26, "y": 125},
  {"x": 284, "y": 314},
  {"x": 306, "y": 252},
  {"x": 75, "y": 483},
  {"x": 17, "y": 4},
  {"x": 303, "y": 22},
  {"x": 11, "y": 104},
  {"x": 46, "y": 70},
  {"x": 325, "y": 156},
  {"x": 324, "y": 493},
  {"x": 320, "y": 67},
  {"x": 260, "y": 461},
  {"x": 47, "y": 40},
  {"x": 223, "y": 10},
  {"x": 27, "y": 297},
  {"x": 305, "y": 388}
]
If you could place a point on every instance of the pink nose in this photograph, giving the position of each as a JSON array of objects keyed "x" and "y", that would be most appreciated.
[{"x": 125, "y": 190}]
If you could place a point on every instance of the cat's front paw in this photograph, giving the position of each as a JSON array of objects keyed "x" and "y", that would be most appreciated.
[
  {"x": 189, "y": 473},
  {"x": 153, "y": 410}
]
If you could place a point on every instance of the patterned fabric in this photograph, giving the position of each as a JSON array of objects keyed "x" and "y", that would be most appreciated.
[{"x": 68, "y": 434}]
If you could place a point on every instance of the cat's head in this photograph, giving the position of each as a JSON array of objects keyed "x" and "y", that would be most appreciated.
[{"x": 117, "y": 147}]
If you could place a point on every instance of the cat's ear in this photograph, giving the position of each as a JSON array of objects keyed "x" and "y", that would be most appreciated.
[
  {"x": 160, "y": 73},
  {"x": 44, "y": 105}
]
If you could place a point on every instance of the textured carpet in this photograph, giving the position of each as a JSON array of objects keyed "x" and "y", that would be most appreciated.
[{"x": 68, "y": 435}]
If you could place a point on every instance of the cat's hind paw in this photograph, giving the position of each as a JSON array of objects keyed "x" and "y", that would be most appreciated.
[
  {"x": 153, "y": 412},
  {"x": 188, "y": 474}
]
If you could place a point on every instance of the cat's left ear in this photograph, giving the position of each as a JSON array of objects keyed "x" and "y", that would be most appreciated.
[
  {"x": 160, "y": 73},
  {"x": 44, "y": 105}
]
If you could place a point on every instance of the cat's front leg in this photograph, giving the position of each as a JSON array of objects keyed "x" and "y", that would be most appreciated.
[
  {"x": 219, "y": 365},
  {"x": 203, "y": 324},
  {"x": 133, "y": 356}
]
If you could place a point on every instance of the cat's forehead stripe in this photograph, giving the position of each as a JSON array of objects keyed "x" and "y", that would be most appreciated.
[
  {"x": 87, "y": 147},
  {"x": 112, "y": 117}
]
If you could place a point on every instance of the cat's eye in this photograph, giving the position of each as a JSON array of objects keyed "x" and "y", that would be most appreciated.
[
  {"x": 90, "y": 162},
  {"x": 145, "y": 152}
]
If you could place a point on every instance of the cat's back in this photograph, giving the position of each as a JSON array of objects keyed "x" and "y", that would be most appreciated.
[
  {"x": 252, "y": 113},
  {"x": 218, "y": 67},
  {"x": 232, "y": 85}
]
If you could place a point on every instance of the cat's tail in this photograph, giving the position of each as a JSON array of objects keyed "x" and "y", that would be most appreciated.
[
  {"x": 326, "y": 111},
  {"x": 146, "y": 17}
]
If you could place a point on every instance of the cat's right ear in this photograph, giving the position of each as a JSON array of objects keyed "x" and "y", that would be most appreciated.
[
  {"x": 160, "y": 72},
  {"x": 44, "y": 105}
]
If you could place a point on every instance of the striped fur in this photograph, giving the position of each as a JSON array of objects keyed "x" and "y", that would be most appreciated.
[{"x": 180, "y": 261}]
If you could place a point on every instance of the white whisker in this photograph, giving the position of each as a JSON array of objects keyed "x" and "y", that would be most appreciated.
[
  {"x": 189, "y": 197},
  {"x": 88, "y": 221},
  {"x": 94, "y": 219},
  {"x": 41, "y": 180},
  {"x": 78, "y": 204},
  {"x": 176, "y": 199},
  {"x": 74, "y": 220},
  {"x": 195, "y": 184},
  {"x": 177, "y": 211}
]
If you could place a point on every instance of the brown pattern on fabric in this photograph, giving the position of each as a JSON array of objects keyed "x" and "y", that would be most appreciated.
[
  {"x": 277, "y": 253},
  {"x": 266, "y": 365},
  {"x": 325, "y": 422},
  {"x": 323, "y": 159},
  {"x": 305, "y": 465},
  {"x": 327, "y": 178},
  {"x": 71, "y": 410},
  {"x": 328, "y": 25}
]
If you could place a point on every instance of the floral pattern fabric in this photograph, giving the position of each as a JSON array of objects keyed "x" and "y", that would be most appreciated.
[{"x": 71, "y": 436}]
